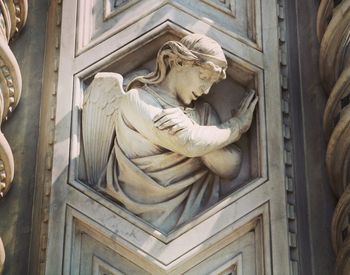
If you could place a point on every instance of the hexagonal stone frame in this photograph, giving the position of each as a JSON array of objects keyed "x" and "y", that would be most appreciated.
[{"x": 143, "y": 50}]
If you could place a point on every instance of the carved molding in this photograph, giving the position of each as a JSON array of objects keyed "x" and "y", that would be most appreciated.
[
  {"x": 46, "y": 139},
  {"x": 288, "y": 143},
  {"x": 333, "y": 31},
  {"x": 49, "y": 86}
]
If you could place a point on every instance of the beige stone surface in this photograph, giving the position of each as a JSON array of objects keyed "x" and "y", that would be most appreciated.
[
  {"x": 246, "y": 232},
  {"x": 250, "y": 216}
]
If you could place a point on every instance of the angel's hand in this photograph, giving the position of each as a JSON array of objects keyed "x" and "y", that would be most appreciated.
[
  {"x": 173, "y": 120},
  {"x": 246, "y": 110}
]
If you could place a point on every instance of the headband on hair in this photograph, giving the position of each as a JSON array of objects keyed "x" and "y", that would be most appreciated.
[{"x": 178, "y": 49}]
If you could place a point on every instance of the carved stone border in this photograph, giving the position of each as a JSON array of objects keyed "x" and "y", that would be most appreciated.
[
  {"x": 288, "y": 142},
  {"x": 46, "y": 139}
]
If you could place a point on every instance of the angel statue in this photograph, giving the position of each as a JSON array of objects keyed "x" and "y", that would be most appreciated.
[{"x": 157, "y": 149}]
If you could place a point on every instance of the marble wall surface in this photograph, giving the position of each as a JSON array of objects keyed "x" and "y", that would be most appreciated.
[
  {"x": 253, "y": 217},
  {"x": 111, "y": 43}
]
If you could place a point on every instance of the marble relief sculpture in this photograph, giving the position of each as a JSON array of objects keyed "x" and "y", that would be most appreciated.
[{"x": 158, "y": 149}]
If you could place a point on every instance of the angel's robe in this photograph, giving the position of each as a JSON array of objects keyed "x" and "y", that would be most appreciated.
[{"x": 158, "y": 184}]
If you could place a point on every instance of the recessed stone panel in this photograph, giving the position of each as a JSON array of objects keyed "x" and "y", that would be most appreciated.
[
  {"x": 113, "y": 7},
  {"x": 227, "y": 6},
  {"x": 98, "y": 20},
  {"x": 94, "y": 252}
]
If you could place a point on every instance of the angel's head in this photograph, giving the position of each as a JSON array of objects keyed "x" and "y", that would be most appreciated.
[{"x": 195, "y": 55}]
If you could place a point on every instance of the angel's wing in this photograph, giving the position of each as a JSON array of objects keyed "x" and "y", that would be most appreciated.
[{"x": 99, "y": 108}]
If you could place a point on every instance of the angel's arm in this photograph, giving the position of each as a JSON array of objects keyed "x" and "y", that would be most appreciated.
[
  {"x": 139, "y": 109},
  {"x": 225, "y": 162}
]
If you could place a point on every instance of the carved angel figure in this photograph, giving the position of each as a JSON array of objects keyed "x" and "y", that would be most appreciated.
[{"x": 156, "y": 149}]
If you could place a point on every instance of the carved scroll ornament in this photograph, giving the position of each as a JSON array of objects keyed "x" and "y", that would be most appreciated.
[
  {"x": 12, "y": 18},
  {"x": 13, "y": 15},
  {"x": 334, "y": 32},
  {"x": 156, "y": 149}
]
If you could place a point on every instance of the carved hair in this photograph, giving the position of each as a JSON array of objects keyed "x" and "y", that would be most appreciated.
[{"x": 195, "y": 49}]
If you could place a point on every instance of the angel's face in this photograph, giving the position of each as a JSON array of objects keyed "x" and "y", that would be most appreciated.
[{"x": 194, "y": 81}]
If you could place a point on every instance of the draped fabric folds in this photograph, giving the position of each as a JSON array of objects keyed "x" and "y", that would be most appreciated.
[{"x": 162, "y": 187}]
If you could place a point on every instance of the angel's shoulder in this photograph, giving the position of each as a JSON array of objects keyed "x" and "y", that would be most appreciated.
[{"x": 139, "y": 97}]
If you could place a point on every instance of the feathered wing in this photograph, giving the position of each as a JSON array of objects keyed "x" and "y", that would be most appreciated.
[{"x": 99, "y": 109}]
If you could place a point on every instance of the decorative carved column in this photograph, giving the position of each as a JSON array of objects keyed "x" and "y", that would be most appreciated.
[
  {"x": 13, "y": 14},
  {"x": 333, "y": 29}
]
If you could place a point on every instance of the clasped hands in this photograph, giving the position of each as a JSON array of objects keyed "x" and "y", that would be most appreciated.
[{"x": 175, "y": 120}]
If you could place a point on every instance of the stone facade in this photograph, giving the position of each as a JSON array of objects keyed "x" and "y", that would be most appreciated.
[{"x": 273, "y": 218}]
